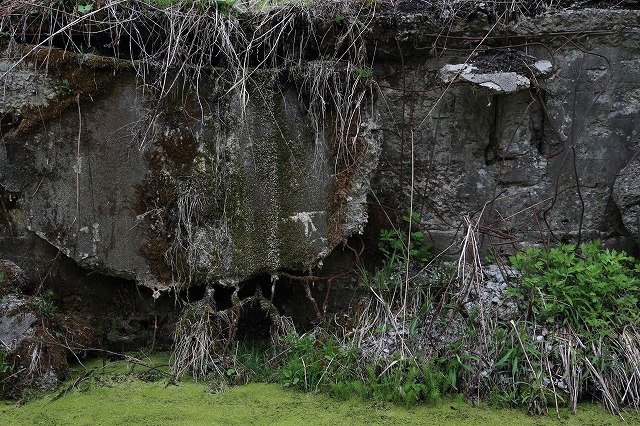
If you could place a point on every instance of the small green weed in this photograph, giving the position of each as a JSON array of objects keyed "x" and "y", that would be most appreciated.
[
  {"x": 454, "y": 365},
  {"x": 314, "y": 363},
  {"x": 321, "y": 364},
  {"x": 83, "y": 9},
  {"x": 394, "y": 242},
  {"x": 364, "y": 72},
  {"x": 252, "y": 357},
  {"x": 5, "y": 367},
  {"x": 44, "y": 304},
  {"x": 66, "y": 87},
  {"x": 408, "y": 384}
]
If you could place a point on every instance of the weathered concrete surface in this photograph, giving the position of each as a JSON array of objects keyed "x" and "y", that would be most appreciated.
[
  {"x": 23, "y": 87},
  {"x": 191, "y": 200},
  {"x": 219, "y": 191},
  {"x": 76, "y": 182},
  {"x": 626, "y": 193},
  {"x": 533, "y": 166}
]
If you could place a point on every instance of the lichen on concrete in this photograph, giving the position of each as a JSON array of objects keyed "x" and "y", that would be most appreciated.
[
  {"x": 259, "y": 172},
  {"x": 24, "y": 87}
]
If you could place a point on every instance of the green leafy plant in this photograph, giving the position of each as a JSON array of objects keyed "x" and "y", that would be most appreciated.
[
  {"x": 411, "y": 382},
  {"x": 296, "y": 373},
  {"x": 317, "y": 363},
  {"x": 322, "y": 364},
  {"x": 364, "y": 72},
  {"x": 226, "y": 6},
  {"x": 588, "y": 287},
  {"x": 83, "y": 9},
  {"x": 5, "y": 367},
  {"x": 65, "y": 89},
  {"x": 394, "y": 242},
  {"x": 45, "y": 305}
]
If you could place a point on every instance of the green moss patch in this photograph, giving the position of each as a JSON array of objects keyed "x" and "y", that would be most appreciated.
[{"x": 135, "y": 402}]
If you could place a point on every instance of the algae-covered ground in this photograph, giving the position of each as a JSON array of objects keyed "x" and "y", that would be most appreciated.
[
  {"x": 127, "y": 394},
  {"x": 141, "y": 403}
]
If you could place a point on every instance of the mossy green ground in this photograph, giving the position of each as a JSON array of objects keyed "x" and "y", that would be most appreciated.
[
  {"x": 115, "y": 397},
  {"x": 134, "y": 402}
]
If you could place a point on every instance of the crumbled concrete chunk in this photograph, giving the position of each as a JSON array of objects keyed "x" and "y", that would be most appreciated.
[{"x": 497, "y": 82}]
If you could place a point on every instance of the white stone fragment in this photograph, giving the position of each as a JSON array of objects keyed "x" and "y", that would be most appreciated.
[
  {"x": 306, "y": 218},
  {"x": 543, "y": 67},
  {"x": 449, "y": 72},
  {"x": 498, "y": 82}
]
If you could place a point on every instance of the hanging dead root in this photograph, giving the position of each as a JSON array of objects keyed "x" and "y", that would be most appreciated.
[{"x": 204, "y": 335}]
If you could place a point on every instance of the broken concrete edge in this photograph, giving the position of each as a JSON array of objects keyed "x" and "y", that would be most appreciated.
[
  {"x": 496, "y": 82},
  {"x": 41, "y": 82}
]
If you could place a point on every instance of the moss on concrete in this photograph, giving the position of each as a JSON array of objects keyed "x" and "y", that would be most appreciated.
[
  {"x": 252, "y": 173},
  {"x": 172, "y": 161},
  {"x": 78, "y": 78}
]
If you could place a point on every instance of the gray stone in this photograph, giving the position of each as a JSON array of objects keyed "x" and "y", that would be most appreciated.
[
  {"x": 626, "y": 193},
  {"x": 23, "y": 86},
  {"x": 193, "y": 200},
  {"x": 507, "y": 160},
  {"x": 543, "y": 67},
  {"x": 48, "y": 381},
  {"x": 35, "y": 356},
  {"x": 85, "y": 206},
  {"x": 12, "y": 277},
  {"x": 493, "y": 298},
  {"x": 15, "y": 324}
]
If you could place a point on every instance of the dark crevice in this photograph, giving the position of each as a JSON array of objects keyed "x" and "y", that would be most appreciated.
[
  {"x": 254, "y": 322},
  {"x": 248, "y": 287},
  {"x": 290, "y": 299},
  {"x": 9, "y": 122}
]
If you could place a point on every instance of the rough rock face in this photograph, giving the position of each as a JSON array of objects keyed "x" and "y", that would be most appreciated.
[
  {"x": 626, "y": 193},
  {"x": 192, "y": 199},
  {"x": 12, "y": 277},
  {"x": 106, "y": 181},
  {"x": 493, "y": 299},
  {"x": 15, "y": 325},
  {"x": 217, "y": 184},
  {"x": 253, "y": 195},
  {"x": 32, "y": 361},
  {"x": 81, "y": 181},
  {"x": 532, "y": 166}
]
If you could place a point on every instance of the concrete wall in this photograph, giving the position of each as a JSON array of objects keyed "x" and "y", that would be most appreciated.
[{"x": 208, "y": 188}]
